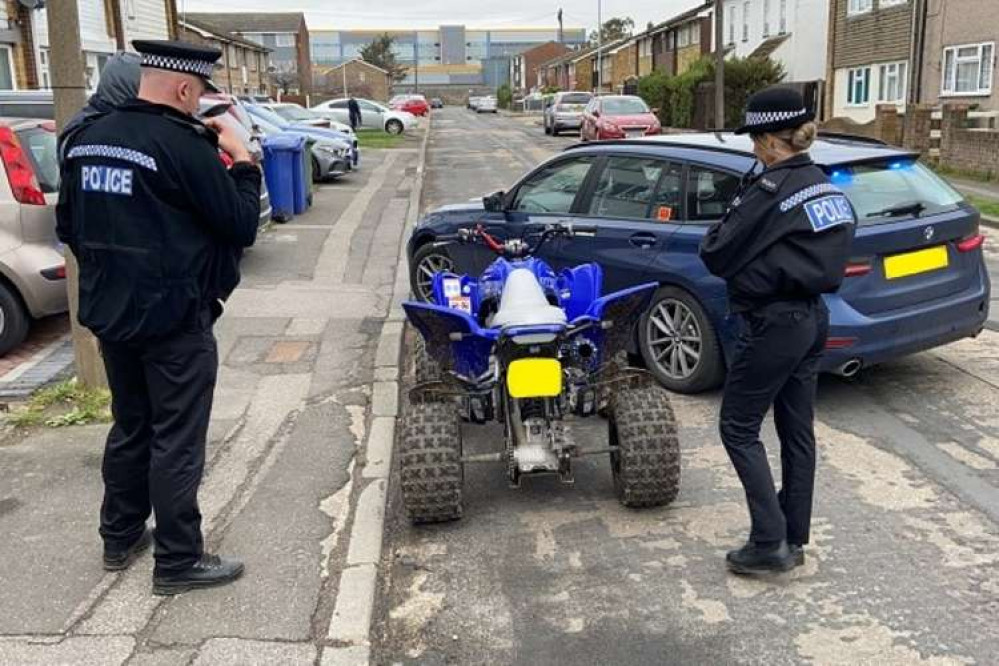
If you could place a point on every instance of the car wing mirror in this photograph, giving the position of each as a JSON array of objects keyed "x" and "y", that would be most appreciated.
[
  {"x": 216, "y": 110},
  {"x": 495, "y": 202}
]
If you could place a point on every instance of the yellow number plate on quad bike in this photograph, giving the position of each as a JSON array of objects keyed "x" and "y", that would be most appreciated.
[{"x": 534, "y": 378}]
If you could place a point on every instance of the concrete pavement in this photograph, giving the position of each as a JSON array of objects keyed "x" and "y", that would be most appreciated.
[
  {"x": 299, "y": 345},
  {"x": 904, "y": 561}
]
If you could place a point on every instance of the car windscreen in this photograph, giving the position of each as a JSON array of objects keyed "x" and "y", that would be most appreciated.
[
  {"x": 260, "y": 112},
  {"x": 887, "y": 190},
  {"x": 40, "y": 146},
  {"x": 623, "y": 106},
  {"x": 577, "y": 98},
  {"x": 294, "y": 113}
]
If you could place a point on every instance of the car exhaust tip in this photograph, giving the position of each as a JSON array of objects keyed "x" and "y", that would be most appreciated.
[{"x": 850, "y": 368}]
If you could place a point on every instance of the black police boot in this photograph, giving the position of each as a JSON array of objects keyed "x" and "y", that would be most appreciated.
[
  {"x": 116, "y": 560},
  {"x": 755, "y": 558},
  {"x": 208, "y": 571},
  {"x": 798, "y": 553}
]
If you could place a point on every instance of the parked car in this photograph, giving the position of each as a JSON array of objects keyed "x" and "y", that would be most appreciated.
[
  {"x": 436, "y": 103},
  {"x": 486, "y": 105},
  {"x": 334, "y": 133},
  {"x": 415, "y": 104},
  {"x": 330, "y": 157},
  {"x": 27, "y": 104},
  {"x": 296, "y": 114},
  {"x": 564, "y": 111},
  {"x": 618, "y": 117},
  {"x": 473, "y": 103},
  {"x": 918, "y": 278},
  {"x": 373, "y": 115},
  {"x": 32, "y": 268},
  {"x": 255, "y": 99}
]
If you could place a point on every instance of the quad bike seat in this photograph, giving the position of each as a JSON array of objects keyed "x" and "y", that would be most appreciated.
[{"x": 524, "y": 304}]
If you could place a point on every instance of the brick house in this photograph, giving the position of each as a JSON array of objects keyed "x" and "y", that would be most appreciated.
[
  {"x": 674, "y": 45},
  {"x": 285, "y": 34},
  {"x": 362, "y": 78},
  {"x": 105, "y": 27},
  {"x": 958, "y": 53},
  {"x": 525, "y": 66},
  {"x": 582, "y": 74},
  {"x": 624, "y": 68},
  {"x": 243, "y": 63},
  {"x": 870, "y": 56}
]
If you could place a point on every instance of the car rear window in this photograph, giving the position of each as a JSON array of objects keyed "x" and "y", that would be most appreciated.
[
  {"x": 624, "y": 106},
  {"x": 575, "y": 99},
  {"x": 40, "y": 146},
  {"x": 884, "y": 191}
]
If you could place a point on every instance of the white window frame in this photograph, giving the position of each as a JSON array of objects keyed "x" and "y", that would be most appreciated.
[
  {"x": 851, "y": 78},
  {"x": 783, "y": 18},
  {"x": 858, "y": 7},
  {"x": 901, "y": 72},
  {"x": 949, "y": 88},
  {"x": 44, "y": 75},
  {"x": 891, "y": 3},
  {"x": 766, "y": 18},
  {"x": 10, "y": 64},
  {"x": 745, "y": 21},
  {"x": 732, "y": 8},
  {"x": 284, "y": 40}
]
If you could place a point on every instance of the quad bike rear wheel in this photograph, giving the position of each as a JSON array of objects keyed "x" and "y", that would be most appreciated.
[
  {"x": 425, "y": 368},
  {"x": 646, "y": 463},
  {"x": 430, "y": 462}
]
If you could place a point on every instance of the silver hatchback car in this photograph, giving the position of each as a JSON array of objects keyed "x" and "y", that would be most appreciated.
[
  {"x": 564, "y": 111},
  {"x": 32, "y": 268}
]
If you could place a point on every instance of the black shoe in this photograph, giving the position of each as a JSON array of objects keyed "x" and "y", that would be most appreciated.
[
  {"x": 757, "y": 559},
  {"x": 209, "y": 571},
  {"x": 798, "y": 553},
  {"x": 116, "y": 560}
]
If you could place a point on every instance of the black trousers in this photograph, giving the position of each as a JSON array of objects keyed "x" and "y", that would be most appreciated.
[
  {"x": 776, "y": 363},
  {"x": 161, "y": 399}
]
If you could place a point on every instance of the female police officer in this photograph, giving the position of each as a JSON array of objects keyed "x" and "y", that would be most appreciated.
[{"x": 783, "y": 243}]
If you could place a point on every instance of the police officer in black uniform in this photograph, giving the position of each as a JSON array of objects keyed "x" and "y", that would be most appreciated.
[
  {"x": 783, "y": 243},
  {"x": 157, "y": 224}
]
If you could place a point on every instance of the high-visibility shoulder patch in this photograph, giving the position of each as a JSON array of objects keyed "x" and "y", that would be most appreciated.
[
  {"x": 807, "y": 193},
  {"x": 829, "y": 212}
]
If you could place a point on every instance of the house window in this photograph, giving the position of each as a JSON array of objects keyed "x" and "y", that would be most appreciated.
[
  {"x": 858, "y": 91},
  {"x": 783, "y": 17},
  {"x": 731, "y": 24},
  {"x": 891, "y": 3},
  {"x": 6, "y": 68},
  {"x": 670, "y": 40},
  {"x": 968, "y": 69},
  {"x": 891, "y": 82},
  {"x": 684, "y": 37},
  {"x": 745, "y": 21},
  {"x": 695, "y": 32},
  {"x": 284, "y": 40},
  {"x": 854, "y": 7},
  {"x": 130, "y": 9},
  {"x": 766, "y": 18},
  {"x": 43, "y": 69}
]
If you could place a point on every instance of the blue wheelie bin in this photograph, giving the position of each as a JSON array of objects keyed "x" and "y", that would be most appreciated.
[{"x": 282, "y": 154}]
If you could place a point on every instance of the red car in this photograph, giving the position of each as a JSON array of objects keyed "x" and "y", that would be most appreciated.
[
  {"x": 415, "y": 104},
  {"x": 618, "y": 117}
]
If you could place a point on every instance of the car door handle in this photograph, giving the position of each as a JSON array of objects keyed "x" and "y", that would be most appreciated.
[{"x": 643, "y": 240}]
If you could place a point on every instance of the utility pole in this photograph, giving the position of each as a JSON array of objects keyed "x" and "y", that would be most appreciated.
[
  {"x": 600, "y": 48},
  {"x": 719, "y": 64},
  {"x": 69, "y": 93}
]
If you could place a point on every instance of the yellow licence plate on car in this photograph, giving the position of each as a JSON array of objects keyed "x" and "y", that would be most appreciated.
[
  {"x": 534, "y": 378},
  {"x": 911, "y": 263}
]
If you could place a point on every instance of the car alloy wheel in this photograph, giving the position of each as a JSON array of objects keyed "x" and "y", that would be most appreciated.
[
  {"x": 428, "y": 266},
  {"x": 393, "y": 127},
  {"x": 675, "y": 339}
]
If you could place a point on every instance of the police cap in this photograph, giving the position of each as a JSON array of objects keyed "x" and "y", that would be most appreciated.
[
  {"x": 177, "y": 56},
  {"x": 774, "y": 109}
]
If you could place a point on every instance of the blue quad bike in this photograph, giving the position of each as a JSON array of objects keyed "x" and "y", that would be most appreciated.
[{"x": 530, "y": 349}]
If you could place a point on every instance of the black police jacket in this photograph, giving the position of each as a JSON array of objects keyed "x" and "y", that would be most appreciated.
[
  {"x": 155, "y": 221},
  {"x": 786, "y": 236}
]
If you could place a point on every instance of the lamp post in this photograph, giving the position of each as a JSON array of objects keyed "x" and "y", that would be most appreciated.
[
  {"x": 600, "y": 48},
  {"x": 719, "y": 64}
]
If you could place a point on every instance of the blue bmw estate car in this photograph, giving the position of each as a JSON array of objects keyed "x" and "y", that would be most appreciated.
[{"x": 917, "y": 278}]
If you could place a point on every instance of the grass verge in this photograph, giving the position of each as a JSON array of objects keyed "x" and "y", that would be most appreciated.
[
  {"x": 64, "y": 404},
  {"x": 373, "y": 138},
  {"x": 987, "y": 207}
]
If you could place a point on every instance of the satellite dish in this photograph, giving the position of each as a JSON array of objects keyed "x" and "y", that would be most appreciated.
[{"x": 33, "y": 4}]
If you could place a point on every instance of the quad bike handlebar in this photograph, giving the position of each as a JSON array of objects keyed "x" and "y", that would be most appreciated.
[{"x": 518, "y": 248}]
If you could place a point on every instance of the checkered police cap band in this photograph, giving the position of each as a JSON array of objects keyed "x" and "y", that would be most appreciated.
[
  {"x": 757, "y": 118},
  {"x": 201, "y": 68}
]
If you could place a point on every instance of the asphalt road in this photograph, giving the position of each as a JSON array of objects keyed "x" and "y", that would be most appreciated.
[{"x": 904, "y": 562}]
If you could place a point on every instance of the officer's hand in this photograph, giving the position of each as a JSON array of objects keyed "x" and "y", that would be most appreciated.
[{"x": 229, "y": 140}]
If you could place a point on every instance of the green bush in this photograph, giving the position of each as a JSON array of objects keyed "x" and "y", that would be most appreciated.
[{"x": 504, "y": 96}]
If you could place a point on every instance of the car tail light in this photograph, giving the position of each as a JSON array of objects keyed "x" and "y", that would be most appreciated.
[
  {"x": 858, "y": 268},
  {"x": 840, "y": 343},
  {"x": 971, "y": 243},
  {"x": 23, "y": 183}
]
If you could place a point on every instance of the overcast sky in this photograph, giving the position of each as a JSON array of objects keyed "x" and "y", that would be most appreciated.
[{"x": 349, "y": 14}]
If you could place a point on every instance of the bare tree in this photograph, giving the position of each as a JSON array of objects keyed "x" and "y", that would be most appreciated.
[{"x": 285, "y": 77}]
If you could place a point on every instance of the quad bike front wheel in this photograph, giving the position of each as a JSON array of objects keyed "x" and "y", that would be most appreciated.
[
  {"x": 430, "y": 462},
  {"x": 646, "y": 461}
]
